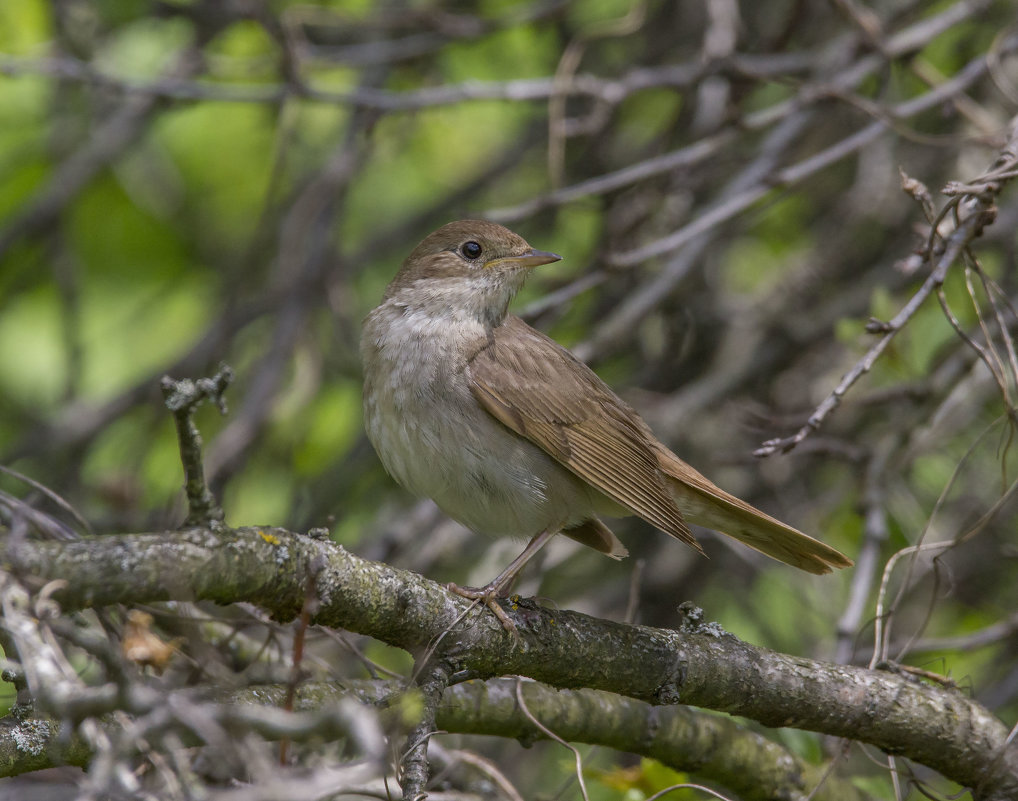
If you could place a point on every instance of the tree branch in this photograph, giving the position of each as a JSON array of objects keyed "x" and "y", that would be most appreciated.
[
  {"x": 684, "y": 739},
  {"x": 183, "y": 398},
  {"x": 936, "y": 726}
]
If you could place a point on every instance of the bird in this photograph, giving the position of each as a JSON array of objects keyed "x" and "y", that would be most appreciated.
[{"x": 512, "y": 435}]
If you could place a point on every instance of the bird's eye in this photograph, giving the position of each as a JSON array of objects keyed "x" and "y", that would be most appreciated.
[{"x": 471, "y": 249}]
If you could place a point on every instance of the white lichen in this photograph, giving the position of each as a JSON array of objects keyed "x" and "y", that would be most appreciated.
[{"x": 32, "y": 736}]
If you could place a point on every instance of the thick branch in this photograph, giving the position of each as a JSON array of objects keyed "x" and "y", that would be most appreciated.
[
  {"x": 755, "y": 768},
  {"x": 936, "y": 726}
]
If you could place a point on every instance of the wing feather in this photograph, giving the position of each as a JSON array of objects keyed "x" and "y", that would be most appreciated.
[
  {"x": 542, "y": 392},
  {"x": 539, "y": 390}
]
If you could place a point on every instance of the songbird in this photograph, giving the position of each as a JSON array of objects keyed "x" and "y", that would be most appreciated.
[{"x": 510, "y": 434}]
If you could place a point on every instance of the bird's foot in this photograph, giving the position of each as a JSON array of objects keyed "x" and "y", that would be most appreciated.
[{"x": 489, "y": 596}]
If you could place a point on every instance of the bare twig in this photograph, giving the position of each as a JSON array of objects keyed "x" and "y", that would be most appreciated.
[
  {"x": 552, "y": 736},
  {"x": 875, "y": 533},
  {"x": 414, "y": 770},
  {"x": 182, "y": 399},
  {"x": 970, "y": 227}
]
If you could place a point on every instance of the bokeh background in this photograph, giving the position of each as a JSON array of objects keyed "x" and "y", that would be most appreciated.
[{"x": 189, "y": 183}]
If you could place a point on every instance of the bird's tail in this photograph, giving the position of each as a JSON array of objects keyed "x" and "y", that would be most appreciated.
[{"x": 706, "y": 504}]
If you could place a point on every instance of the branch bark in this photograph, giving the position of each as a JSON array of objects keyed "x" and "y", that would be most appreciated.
[
  {"x": 712, "y": 747},
  {"x": 704, "y": 666}
]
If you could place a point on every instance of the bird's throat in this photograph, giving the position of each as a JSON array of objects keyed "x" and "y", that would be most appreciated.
[{"x": 480, "y": 298}]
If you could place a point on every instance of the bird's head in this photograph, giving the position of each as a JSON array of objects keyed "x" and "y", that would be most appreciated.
[{"x": 470, "y": 266}]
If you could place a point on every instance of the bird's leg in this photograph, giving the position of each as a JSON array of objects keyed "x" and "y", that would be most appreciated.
[{"x": 490, "y": 591}]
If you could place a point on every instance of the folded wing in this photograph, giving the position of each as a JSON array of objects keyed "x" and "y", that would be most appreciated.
[{"x": 542, "y": 392}]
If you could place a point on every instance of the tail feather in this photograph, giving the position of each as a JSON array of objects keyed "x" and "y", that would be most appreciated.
[{"x": 706, "y": 504}]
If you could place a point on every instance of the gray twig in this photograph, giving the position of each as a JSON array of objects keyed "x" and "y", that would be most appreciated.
[
  {"x": 415, "y": 770},
  {"x": 981, "y": 213},
  {"x": 183, "y": 397}
]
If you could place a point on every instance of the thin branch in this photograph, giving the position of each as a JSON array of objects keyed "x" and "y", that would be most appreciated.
[
  {"x": 108, "y": 142},
  {"x": 414, "y": 769},
  {"x": 969, "y": 229},
  {"x": 707, "y": 147},
  {"x": 552, "y": 736},
  {"x": 183, "y": 397},
  {"x": 875, "y": 534},
  {"x": 796, "y": 173}
]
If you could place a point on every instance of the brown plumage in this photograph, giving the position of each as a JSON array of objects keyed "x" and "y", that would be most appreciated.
[
  {"x": 509, "y": 433},
  {"x": 542, "y": 392}
]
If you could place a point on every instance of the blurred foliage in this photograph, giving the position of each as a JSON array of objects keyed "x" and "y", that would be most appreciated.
[{"x": 281, "y": 162}]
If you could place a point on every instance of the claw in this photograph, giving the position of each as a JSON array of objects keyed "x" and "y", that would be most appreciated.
[{"x": 489, "y": 596}]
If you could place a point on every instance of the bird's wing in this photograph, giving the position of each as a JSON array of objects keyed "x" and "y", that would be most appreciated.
[{"x": 542, "y": 392}]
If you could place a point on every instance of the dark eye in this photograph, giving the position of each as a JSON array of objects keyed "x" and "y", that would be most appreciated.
[{"x": 471, "y": 249}]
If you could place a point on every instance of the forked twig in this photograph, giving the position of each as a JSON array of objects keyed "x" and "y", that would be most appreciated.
[
  {"x": 978, "y": 197},
  {"x": 182, "y": 398}
]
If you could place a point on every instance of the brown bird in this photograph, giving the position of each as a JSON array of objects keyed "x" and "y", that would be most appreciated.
[{"x": 510, "y": 434}]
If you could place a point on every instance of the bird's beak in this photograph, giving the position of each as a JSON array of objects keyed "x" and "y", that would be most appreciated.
[{"x": 532, "y": 258}]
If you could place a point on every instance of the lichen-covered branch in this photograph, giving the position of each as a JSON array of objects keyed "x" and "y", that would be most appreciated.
[
  {"x": 937, "y": 726},
  {"x": 685, "y": 739}
]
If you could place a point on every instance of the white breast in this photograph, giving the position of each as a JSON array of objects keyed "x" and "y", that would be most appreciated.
[{"x": 435, "y": 440}]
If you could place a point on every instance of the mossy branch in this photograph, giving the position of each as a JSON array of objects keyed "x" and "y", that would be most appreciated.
[{"x": 936, "y": 726}]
